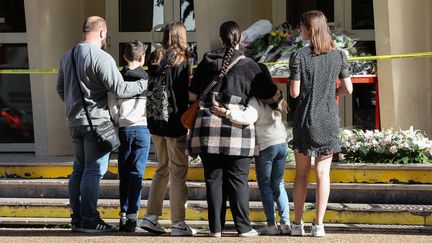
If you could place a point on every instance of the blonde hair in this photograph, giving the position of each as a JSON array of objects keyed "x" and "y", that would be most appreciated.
[{"x": 316, "y": 23}]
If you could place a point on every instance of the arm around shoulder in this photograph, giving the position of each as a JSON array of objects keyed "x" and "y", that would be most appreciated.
[{"x": 111, "y": 78}]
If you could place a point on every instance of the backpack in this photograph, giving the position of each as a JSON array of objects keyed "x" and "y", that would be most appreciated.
[
  {"x": 159, "y": 105},
  {"x": 161, "y": 108}
]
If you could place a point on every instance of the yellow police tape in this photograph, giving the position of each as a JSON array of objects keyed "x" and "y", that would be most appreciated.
[{"x": 362, "y": 58}]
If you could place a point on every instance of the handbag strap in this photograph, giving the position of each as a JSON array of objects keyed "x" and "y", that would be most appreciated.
[
  {"x": 214, "y": 82},
  {"x": 80, "y": 89}
]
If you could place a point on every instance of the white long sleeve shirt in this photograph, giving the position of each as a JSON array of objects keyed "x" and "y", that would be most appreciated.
[{"x": 269, "y": 127}]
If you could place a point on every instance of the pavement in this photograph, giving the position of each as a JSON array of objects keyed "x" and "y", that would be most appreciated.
[{"x": 12, "y": 235}]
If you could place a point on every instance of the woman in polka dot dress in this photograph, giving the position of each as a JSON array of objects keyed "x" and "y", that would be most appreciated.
[{"x": 313, "y": 73}]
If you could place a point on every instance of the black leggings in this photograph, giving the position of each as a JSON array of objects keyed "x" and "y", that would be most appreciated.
[{"x": 227, "y": 176}]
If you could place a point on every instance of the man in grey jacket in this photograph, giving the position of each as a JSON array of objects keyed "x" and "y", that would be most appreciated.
[{"x": 98, "y": 75}]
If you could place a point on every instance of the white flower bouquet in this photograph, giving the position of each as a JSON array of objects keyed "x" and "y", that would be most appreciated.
[{"x": 388, "y": 146}]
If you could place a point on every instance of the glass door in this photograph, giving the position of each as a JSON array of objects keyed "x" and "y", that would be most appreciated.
[
  {"x": 144, "y": 20},
  {"x": 16, "y": 115}
]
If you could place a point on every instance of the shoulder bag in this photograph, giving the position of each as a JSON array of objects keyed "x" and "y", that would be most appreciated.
[{"x": 105, "y": 133}]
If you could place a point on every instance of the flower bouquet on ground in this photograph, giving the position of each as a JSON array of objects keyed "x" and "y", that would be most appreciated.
[
  {"x": 274, "y": 46},
  {"x": 388, "y": 146}
]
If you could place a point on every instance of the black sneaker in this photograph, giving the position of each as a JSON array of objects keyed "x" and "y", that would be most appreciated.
[
  {"x": 129, "y": 226},
  {"x": 75, "y": 224},
  {"x": 76, "y": 228},
  {"x": 98, "y": 227}
]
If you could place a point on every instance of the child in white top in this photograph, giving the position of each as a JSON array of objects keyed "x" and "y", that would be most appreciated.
[{"x": 129, "y": 114}]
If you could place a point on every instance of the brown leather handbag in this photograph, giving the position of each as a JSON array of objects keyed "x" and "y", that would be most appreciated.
[{"x": 189, "y": 116}]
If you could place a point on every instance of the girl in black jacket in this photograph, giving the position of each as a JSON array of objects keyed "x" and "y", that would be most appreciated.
[{"x": 167, "y": 100}]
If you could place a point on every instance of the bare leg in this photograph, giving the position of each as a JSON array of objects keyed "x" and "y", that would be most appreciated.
[
  {"x": 322, "y": 174},
  {"x": 303, "y": 166}
]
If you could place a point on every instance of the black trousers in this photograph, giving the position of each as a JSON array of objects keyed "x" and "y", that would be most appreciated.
[{"x": 227, "y": 177}]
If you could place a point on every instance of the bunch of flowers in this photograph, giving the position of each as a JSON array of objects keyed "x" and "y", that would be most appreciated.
[
  {"x": 277, "y": 45},
  {"x": 388, "y": 146}
]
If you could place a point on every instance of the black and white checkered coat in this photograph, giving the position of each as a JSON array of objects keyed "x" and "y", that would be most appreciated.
[{"x": 217, "y": 135}]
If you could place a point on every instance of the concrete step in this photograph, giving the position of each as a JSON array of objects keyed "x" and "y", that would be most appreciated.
[
  {"x": 202, "y": 226},
  {"x": 388, "y": 214},
  {"x": 340, "y": 173},
  {"x": 341, "y": 192}
]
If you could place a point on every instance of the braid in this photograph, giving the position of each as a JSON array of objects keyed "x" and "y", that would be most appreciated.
[
  {"x": 230, "y": 34},
  {"x": 227, "y": 60}
]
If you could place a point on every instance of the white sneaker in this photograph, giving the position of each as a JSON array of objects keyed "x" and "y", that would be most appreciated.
[
  {"x": 285, "y": 229},
  {"x": 217, "y": 234},
  {"x": 297, "y": 229},
  {"x": 317, "y": 230},
  {"x": 152, "y": 226},
  {"x": 251, "y": 233},
  {"x": 181, "y": 229},
  {"x": 269, "y": 230}
]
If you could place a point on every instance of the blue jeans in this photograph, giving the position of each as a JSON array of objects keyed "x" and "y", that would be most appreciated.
[
  {"x": 270, "y": 168},
  {"x": 89, "y": 167},
  {"x": 132, "y": 160}
]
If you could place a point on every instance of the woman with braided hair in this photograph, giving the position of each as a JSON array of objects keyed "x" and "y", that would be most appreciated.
[{"x": 225, "y": 148}]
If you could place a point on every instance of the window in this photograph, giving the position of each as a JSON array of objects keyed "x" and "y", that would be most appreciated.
[
  {"x": 362, "y": 17},
  {"x": 187, "y": 14},
  {"x": 12, "y": 17},
  {"x": 16, "y": 117},
  {"x": 295, "y": 8},
  {"x": 140, "y": 16}
]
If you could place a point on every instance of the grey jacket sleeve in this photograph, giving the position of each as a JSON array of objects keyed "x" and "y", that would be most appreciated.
[
  {"x": 60, "y": 84},
  {"x": 111, "y": 78}
]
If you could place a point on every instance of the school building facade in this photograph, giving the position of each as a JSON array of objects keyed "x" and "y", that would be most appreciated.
[{"x": 35, "y": 34}]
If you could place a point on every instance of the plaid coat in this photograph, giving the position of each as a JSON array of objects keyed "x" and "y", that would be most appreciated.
[{"x": 217, "y": 135}]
